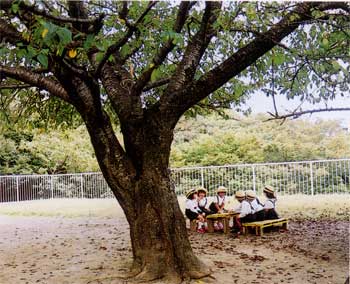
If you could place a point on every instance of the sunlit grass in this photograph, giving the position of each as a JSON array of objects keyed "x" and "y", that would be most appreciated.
[{"x": 335, "y": 206}]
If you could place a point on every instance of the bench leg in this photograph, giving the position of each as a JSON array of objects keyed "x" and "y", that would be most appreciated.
[
  {"x": 285, "y": 226},
  {"x": 210, "y": 225},
  {"x": 226, "y": 222},
  {"x": 257, "y": 231},
  {"x": 245, "y": 230},
  {"x": 261, "y": 231}
]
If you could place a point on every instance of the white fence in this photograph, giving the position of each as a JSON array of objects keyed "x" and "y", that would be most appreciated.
[{"x": 307, "y": 177}]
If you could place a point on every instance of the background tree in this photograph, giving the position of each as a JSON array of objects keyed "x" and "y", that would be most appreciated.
[{"x": 148, "y": 63}]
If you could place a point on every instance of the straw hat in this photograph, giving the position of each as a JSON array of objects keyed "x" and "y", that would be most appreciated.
[
  {"x": 269, "y": 189},
  {"x": 202, "y": 189},
  {"x": 239, "y": 194},
  {"x": 190, "y": 192},
  {"x": 221, "y": 189},
  {"x": 250, "y": 194}
]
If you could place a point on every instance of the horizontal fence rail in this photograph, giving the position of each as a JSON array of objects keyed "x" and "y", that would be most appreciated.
[{"x": 307, "y": 177}]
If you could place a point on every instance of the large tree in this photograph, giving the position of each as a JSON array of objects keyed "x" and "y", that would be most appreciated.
[{"x": 145, "y": 64}]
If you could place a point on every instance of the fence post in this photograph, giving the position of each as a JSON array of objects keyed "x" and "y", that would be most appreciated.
[
  {"x": 202, "y": 177},
  {"x": 312, "y": 179},
  {"x": 17, "y": 188},
  {"x": 51, "y": 186},
  {"x": 254, "y": 185},
  {"x": 81, "y": 186}
]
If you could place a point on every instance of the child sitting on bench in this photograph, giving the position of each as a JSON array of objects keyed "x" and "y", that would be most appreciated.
[
  {"x": 257, "y": 206},
  {"x": 240, "y": 196},
  {"x": 203, "y": 201},
  {"x": 218, "y": 206},
  {"x": 270, "y": 203},
  {"x": 193, "y": 212}
]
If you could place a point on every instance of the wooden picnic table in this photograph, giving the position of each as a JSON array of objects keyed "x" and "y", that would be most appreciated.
[{"x": 224, "y": 218}]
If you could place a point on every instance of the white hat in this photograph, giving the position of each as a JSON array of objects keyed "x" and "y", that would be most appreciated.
[
  {"x": 239, "y": 194},
  {"x": 221, "y": 189},
  {"x": 250, "y": 194},
  {"x": 202, "y": 189}
]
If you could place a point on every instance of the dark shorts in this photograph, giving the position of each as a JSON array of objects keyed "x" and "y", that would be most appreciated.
[
  {"x": 213, "y": 208},
  {"x": 248, "y": 218},
  {"x": 260, "y": 215},
  {"x": 271, "y": 214},
  {"x": 191, "y": 215}
]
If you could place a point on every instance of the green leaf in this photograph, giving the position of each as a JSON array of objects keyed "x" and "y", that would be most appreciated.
[
  {"x": 278, "y": 58},
  {"x": 43, "y": 60},
  {"x": 325, "y": 42},
  {"x": 31, "y": 52},
  {"x": 65, "y": 35},
  {"x": 336, "y": 65},
  {"x": 99, "y": 56},
  {"x": 15, "y": 7},
  {"x": 88, "y": 42},
  {"x": 155, "y": 75}
]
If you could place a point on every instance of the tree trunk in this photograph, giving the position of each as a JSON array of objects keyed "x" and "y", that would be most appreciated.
[{"x": 160, "y": 244}]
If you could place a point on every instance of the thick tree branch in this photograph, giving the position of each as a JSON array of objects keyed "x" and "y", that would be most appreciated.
[
  {"x": 118, "y": 85},
  {"x": 78, "y": 10},
  {"x": 6, "y": 4},
  {"x": 35, "y": 80},
  {"x": 165, "y": 49},
  {"x": 9, "y": 33},
  {"x": 195, "y": 49},
  {"x": 244, "y": 57}
]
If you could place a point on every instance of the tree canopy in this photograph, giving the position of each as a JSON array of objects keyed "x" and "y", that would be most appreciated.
[{"x": 151, "y": 39}]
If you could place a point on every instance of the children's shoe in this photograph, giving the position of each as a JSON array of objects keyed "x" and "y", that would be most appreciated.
[{"x": 201, "y": 231}]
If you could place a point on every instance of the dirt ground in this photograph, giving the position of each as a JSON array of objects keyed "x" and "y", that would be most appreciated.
[{"x": 82, "y": 250}]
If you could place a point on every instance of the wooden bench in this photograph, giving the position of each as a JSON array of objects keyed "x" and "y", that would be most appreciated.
[
  {"x": 224, "y": 218},
  {"x": 260, "y": 225}
]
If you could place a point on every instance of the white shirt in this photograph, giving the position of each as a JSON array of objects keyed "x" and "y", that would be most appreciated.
[
  {"x": 192, "y": 205},
  {"x": 246, "y": 209},
  {"x": 256, "y": 206},
  {"x": 203, "y": 202},
  {"x": 219, "y": 200},
  {"x": 238, "y": 208},
  {"x": 270, "y": 203}
]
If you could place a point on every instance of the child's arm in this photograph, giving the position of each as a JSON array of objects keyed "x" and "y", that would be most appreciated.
[{"x": 222, "y": 206}]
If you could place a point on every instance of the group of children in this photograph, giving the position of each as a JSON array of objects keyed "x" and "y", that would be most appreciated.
[{"x": 250, "y": 208}]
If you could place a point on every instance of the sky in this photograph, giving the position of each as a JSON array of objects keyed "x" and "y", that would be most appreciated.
[{"x": 259, "y": 103}]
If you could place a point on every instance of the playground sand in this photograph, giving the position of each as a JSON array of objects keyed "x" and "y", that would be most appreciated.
[{"x": 93, "y": 246}]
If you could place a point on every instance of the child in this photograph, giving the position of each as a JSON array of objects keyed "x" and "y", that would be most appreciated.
[
  {"x": 240, "y": 196},
  {"x": 217, "y": 206},
  {"x": 270, "y": 204},
  {"x": 192, "y": 210},
  {"x": 203, "y": 200},
  {"x": 258, "y": 208},
  {"x": 246, "y": 212}
]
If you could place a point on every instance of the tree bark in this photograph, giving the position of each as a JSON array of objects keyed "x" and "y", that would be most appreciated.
[
  {"x": 160, "y": 244},
  {"x": 161, "y": 248}
]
